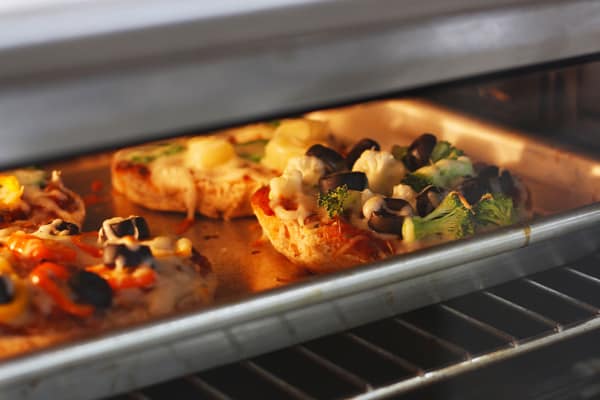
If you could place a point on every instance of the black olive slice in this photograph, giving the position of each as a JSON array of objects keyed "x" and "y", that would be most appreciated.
[
  {"x": 61, "y": 227},
  {"x": 383, "y": 222},
  {"x": 473, "y": 188},
  {"x": 132, "y": 226},
  {"x": 6, "y": 290},
  {"x": 353, "y": 180},
  {"x": 332, "y": 159},
  {"x": 89, "y": 288},
  {"x": 419, "y": 151},
  {"x": 507, "y": 184},
  {"x": 398, "y": 207},
  {"x": 428, "y": 200},
  {"x": 359, "y": 148},
  {"x": 130, "y": 257},
  {"x": 488, "y": 172}
]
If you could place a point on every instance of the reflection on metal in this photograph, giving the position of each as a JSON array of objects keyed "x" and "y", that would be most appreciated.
[{"x": 478, "y": 362}]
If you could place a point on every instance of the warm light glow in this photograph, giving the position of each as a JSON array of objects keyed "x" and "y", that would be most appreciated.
[{"x": 595, "y": 170}]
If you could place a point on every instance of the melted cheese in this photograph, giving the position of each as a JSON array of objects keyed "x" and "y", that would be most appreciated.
[
  {"x": 34, "y": 196},
  {"x": 296, "y": 186},
  {"x": 170, "y": 175},
  {"x": 285, "y": 186}
]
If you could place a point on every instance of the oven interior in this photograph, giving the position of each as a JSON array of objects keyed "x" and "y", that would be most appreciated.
[{"x": 531, "y": 337}]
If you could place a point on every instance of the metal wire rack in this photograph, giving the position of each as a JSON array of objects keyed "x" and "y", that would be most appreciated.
[{"x": 407, "y": 351}]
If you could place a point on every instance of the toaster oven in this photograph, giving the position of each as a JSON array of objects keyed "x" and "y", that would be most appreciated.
[{"x": 80, "y": 79}]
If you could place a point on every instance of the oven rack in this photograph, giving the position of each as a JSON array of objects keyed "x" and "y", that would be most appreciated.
[{"x": 417, "y": 348}]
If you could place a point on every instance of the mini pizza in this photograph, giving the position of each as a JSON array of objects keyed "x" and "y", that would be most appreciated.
[
  {"x": 213, "y": 175},
  {"x": 57, "y": 284},
  {"x": 327, "y": 211},
  {"x": 30, "y": 198}
]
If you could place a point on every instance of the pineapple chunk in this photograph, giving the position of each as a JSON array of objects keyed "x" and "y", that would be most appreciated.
[
  {"x": 209, "y": 152},
  {"x": 10, "y": 192},
  {"x": 291, "y": 139}
]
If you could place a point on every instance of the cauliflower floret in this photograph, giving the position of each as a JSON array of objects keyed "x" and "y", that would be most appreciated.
[
  {"x": 407, "y": 193},
  {"x": 311, "y": 168},
  {"x": 382, "y": 169},
  {"x": 285, "y": 186}
]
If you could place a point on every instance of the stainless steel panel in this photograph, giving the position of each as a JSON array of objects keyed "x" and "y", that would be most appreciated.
[
  {"x": 244, "y": 323},
  {"x": 98, "y": 74}
]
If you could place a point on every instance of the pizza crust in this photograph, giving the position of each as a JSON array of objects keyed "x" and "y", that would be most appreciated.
[
  {"x": 326, "y": 246},
  {"x": 215, "y": 198}
]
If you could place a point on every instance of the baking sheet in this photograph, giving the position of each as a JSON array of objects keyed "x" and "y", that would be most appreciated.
[
  {"x": 241, "y": 319},
  {"x": 246, "y": 265}
]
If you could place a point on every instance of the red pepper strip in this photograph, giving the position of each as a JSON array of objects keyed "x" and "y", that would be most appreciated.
[
  {"x": 45, "y": 276},
  {"x": 92, "y": 250},
  {"x": 38, "y": 249},
  {"x": 118, "y": 279}
]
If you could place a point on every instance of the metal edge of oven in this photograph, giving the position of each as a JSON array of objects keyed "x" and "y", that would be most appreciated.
[
  {"x": 110, "y": 73},
  {"x": 164, "y": 349}
]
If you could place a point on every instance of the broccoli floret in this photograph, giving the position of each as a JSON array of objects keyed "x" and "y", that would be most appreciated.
[
  {"x": 452, "y": 219},
  {"x": 498, "y": 210},
  {"x": 443, "y": 150},
  {"x": 444, "y": 174},
  {"x": 333, "y": 201},
  {"x": 339, "y": 200},
  {"x": 417, "y": 181}
]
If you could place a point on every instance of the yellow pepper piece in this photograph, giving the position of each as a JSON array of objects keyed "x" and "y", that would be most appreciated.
[
  {"x": 10, "y": 311},
  {"x": 10, "y": 191}
]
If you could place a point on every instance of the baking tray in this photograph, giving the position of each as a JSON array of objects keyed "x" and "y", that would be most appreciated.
[{"x": 264, "y": 302}]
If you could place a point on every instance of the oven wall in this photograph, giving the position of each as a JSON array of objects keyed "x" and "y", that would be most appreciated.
[{"x": 560, "y": 104}]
